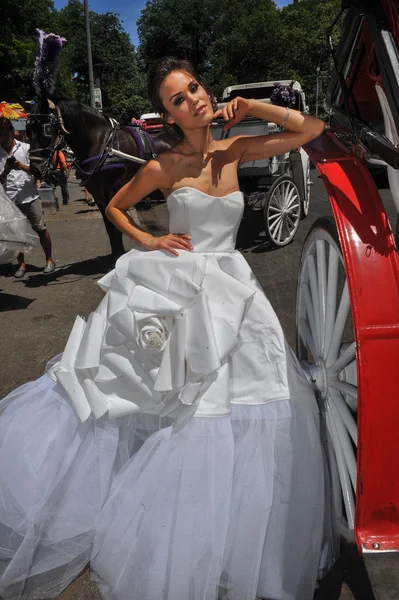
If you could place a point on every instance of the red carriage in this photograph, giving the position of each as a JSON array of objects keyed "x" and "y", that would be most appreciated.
[{"x": 348, "y": 290}]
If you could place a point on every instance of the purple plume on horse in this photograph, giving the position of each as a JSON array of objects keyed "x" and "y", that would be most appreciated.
[{"x": 49, "y": 46}]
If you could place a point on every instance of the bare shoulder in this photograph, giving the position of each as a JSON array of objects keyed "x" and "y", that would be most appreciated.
[
  {"x": 158, "y": 170},
  {"x": 169, "y": 160}
]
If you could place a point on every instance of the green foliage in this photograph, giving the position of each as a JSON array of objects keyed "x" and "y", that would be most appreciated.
[
  {"x": 228, "y": 41},
  {"x": 175, "y": 28},
  {"x": 244, "y": 49},
  {"x": 114, "y": 59},
  {"x": 304, "y": 42},
  {"x": 241, "y": 41}
]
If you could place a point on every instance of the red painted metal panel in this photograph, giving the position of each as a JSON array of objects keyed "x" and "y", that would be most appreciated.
[{"x": 372, "y": 267}]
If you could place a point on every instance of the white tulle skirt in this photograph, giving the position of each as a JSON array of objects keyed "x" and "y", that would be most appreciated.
[{"x": 228, "y": 507}]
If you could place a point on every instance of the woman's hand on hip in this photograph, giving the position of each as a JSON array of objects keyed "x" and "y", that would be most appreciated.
[
  {"x": 170, "y": 242},
  {"x": 234, "y": 111}
]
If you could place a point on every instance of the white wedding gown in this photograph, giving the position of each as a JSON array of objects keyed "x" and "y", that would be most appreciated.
[{"x": 176, "y": 442}]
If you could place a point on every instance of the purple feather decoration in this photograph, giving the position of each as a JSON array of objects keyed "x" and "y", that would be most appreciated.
[{"x": 48, "y": 55}]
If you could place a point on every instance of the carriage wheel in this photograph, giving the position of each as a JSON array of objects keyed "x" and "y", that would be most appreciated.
[
  {"x": 306, "y": 203},
  {"x": 282, "y": 211},
  {"x": 327, "y": 352}
]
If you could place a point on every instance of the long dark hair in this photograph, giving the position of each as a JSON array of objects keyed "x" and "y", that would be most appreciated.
[{"x": 160, "y": 69}]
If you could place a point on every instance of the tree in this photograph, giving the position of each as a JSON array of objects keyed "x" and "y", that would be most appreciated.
[
  {"x": 115, "y": 63},
  {"x": 241, "y": 41},
  {"x": 228, "y": 41},
  {"x": 185, "y": 30},
  {"x": 303, "y": 42},
  {"x": 244, "y": 49}
]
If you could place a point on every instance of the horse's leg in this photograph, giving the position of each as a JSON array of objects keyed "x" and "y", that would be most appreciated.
[
  {"x": 102, "y": 198},
  {"x": 115, "y": 238},
  {"x": 103, "y": 188}
]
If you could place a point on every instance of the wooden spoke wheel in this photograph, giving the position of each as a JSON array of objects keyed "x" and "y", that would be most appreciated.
[
  {"x": 282, "y": 211},
  {"x": 327, "y": 352}
]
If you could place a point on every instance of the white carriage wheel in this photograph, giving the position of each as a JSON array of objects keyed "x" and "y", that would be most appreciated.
[
  {"x": 308, "y": 185},
  {"x": 327, "y": 352},
  {"x": 282, "y": 211}
]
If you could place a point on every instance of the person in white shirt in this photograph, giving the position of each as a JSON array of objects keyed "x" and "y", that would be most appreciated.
[{"x": 20, "y": 187}]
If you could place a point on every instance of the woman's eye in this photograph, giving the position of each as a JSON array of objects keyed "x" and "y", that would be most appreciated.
[
  {"x": 178, "y": 101},
  {"x": 194, "y": 88}
]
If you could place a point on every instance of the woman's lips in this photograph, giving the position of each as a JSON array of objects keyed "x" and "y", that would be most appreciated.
[{"x": 200, "y": 110}]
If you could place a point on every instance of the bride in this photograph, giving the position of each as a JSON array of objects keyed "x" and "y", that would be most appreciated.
[{"x": 175, "y": 444}]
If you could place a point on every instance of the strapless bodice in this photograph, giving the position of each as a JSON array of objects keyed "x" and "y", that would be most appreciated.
[{"x": 212, "y": 222}]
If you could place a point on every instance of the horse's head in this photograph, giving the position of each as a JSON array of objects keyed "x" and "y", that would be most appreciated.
[{"x": 45, "y": 130}]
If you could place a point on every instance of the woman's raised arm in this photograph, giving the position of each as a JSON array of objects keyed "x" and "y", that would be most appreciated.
[{"x": 299, "y": 129}]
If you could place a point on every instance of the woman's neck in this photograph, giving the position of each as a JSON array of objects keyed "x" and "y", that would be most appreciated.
[{"x": 197, "y": 140}]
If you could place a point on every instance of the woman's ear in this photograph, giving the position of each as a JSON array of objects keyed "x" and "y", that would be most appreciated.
[{"x": 168, "y": 119}]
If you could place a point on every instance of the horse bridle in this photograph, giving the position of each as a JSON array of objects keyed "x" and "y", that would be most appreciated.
[{"x": 45, "y": 154}]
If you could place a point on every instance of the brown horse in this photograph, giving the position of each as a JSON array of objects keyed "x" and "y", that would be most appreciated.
[{"x": 91, "y": 136}]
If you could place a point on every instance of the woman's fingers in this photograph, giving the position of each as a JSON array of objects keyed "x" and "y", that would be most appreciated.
[
  {"x": 183, "y": 240},
  {"x": 172, "y": 242},
  {"x": 222, "y": 112},
  {"x": 169, "y": 247},
  {"x": 228, "y": 112},
  {"x": 234, "y": 114},
  {"x": 182, "y": 244},
  {"x": 230, "y": 124},
  {"x": 181, "y": 236}
]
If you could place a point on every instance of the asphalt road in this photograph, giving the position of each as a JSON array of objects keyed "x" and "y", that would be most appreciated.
[{"x": 37, "y": 313}]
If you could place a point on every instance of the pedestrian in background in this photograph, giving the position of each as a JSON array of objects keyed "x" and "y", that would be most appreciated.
[
  {"x": 20, "y": 187},
  {"x": 60, "y": 174}
]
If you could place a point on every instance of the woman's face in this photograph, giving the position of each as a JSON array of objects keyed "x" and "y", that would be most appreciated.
[{"x": 186, "y": 102}]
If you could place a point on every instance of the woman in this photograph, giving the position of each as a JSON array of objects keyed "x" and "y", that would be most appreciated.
[{"x": 177, "y": 424}]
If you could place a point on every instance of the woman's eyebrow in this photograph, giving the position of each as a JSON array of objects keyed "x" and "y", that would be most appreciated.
[{"x": 177, "y": 93}]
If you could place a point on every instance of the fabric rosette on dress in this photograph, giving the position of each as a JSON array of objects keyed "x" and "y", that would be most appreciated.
[{"x": 162, "y": 335}]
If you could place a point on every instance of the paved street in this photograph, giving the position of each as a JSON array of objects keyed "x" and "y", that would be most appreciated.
[{"x": 37, "y": 313}]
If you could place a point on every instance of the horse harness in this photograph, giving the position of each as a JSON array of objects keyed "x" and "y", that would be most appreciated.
[{"x": 109, "y": 158}]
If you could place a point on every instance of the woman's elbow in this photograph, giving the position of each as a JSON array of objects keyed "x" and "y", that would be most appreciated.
[
  {"x": 109, "y": 210},
  {"x": 321, "y": 127},
  {"x": 318, "y": 127},
  {"x": 316, "y": 130}
]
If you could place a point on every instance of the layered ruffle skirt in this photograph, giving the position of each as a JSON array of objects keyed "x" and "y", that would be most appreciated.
[
  {"x": 230, "y": 507},
  {"x": 192, "y": 491}
]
